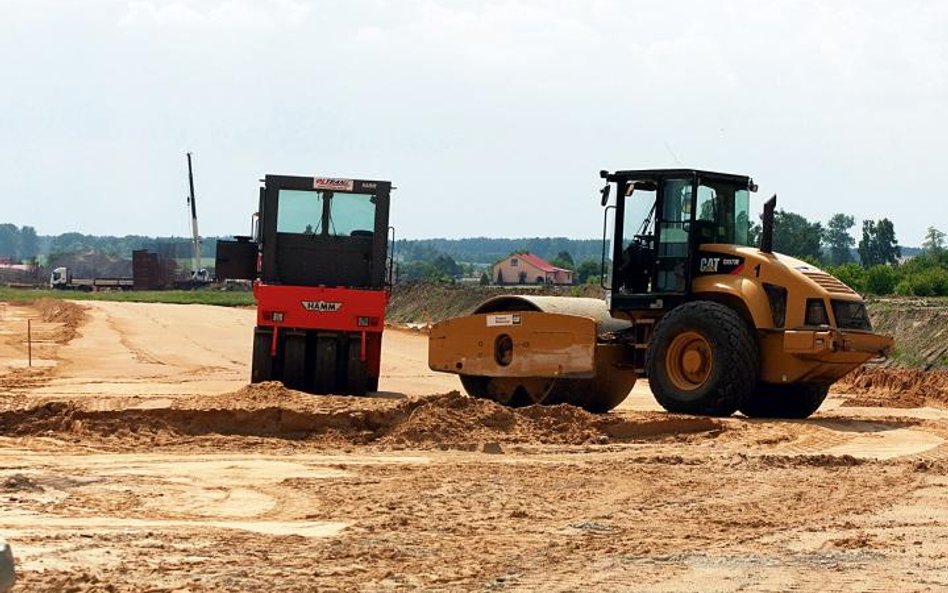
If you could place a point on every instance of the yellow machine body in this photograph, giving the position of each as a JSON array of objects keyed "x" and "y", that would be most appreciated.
[
  {"x": 528, "y": 349},
  {"x": 716, "y": 326},
  {"x": 523, "y": 349},
  {"x": 796, "y": 350}
]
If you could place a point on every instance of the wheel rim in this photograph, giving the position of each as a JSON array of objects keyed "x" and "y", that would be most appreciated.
[{"x": 689, "y": 361}]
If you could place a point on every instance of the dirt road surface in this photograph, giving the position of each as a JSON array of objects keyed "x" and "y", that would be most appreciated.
[{"x": 134, "y": 457}]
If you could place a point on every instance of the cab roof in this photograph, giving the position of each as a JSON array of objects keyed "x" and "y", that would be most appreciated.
[{"x": 643, "y": 174}]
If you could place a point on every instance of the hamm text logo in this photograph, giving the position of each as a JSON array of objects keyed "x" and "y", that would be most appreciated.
[{"x": 321, "y": 306}]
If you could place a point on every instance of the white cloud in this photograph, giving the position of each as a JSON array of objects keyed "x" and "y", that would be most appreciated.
[{"x": 218, "y": 14}]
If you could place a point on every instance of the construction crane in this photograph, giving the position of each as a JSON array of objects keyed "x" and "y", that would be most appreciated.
[{"x": 198, "y": 273}]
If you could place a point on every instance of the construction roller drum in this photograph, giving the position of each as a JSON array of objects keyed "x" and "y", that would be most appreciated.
[{"x": 524, "y": 350}]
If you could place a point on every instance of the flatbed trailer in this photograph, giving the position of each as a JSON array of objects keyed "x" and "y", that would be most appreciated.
[{"x": 62, "y": 279}]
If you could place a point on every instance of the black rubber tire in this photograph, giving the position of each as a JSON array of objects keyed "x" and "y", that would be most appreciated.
[
  {"x": 355, "y": 369},
  {"x": 734, "y": 367},
  {"x": 261, "y": 367},
  {"x": 794, "y": 400},
  {"x": 327, "y": 353},
  {"x": 294, "y": 360}
]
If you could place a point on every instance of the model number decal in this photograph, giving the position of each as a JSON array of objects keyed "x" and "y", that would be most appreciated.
[
  {"x": 502, "y": 320},
  {"x": 330, "y": 183},
  {"x": 321, "y": 306}
]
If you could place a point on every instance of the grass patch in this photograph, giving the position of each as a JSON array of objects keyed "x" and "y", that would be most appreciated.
[{"x": 180, "y": 297}]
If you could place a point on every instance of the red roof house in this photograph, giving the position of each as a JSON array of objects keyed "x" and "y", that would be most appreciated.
[{"x": 526, "y": 268}]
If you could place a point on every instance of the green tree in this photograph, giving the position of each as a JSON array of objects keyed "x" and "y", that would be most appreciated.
[
  {"x": 881, "y": 279},
  {"x": 878, "y": 244},
  {"x": 837, "y": 238},
  {"x": 796, "y": 236},
  {"x": 564, "y": 260},
  {"x": 29, "y": 243},
  {"x": 72, "y": 242},
  {"x": 931, "y": 282},
  {"x": 414, "y": 271},
  {"x": 852, "y": 275},
  {"x": 934, "y": 243},
  {"x": 587, "y": 270},
  {"x": 753, "y": 232},
  {"x": 9, "y": 241},
  {"x": 444, "y": 267},
  {"x": 485, "y": 279}
]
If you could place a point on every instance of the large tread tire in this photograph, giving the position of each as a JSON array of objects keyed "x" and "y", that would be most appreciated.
[
  {"x": 791, "y": 401},
  {"x": 261, "y": 368},
  {"x": 733, "y": 370},
  {"x": 356, "y": 379},
  {"x": 294, "y": 360},
  {"x": 327, "y": 355},
  {"x": 372, "y": 384}
]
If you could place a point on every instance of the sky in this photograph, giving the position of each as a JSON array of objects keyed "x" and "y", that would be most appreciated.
[{"x": 492, "y": 117}]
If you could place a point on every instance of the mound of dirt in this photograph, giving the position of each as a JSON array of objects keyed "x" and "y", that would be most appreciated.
[
  {"x": 20, "y": 483},
  {"x": 269, "y": 410},
  {"x": 21, "y": 379},
  {"x": 920, "y": 328},
  {"x": 894, "y": 388},
  {"x": 452, "y": 419},
  {"x": 68, "y": 314},
  {"x": 816, "y": 460}
]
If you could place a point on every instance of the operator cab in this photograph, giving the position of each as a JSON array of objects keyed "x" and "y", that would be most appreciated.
[
  {"x": 314, "y": 231},
  {"x": 662, "y": 218}
]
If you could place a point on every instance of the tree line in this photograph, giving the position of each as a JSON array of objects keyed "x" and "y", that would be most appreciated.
[
  {"x": 484, "y": 250},
  {"x": 18, "y": 244},
  {"x": 833, "y": 244},
  {"x": 925, "y": 274},
  {"x": 23, "y": 244},
  {"x": 874, "y": 264}
]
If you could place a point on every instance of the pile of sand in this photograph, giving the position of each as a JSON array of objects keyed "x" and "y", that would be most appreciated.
[
  {"x": 68, "y": 314},
  {"x": 269, "y": 410},
  {"x": 22, "y": 379}
]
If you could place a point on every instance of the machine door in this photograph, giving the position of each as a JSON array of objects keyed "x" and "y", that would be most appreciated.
[
  {"x": 636, "y": 262},
  {"x": 652, "y": 247},
  {"x": 236, "y": 260},
  {"x": 674, "y": 229}
]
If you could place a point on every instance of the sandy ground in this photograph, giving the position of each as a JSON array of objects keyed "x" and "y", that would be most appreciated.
[{"x": 134, "y": 457}]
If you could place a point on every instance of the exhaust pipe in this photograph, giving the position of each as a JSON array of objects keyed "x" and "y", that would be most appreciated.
[{"x": 767, "y": 222}]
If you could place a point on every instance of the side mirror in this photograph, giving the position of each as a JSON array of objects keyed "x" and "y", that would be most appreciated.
[{"x": 605, "y": 191}]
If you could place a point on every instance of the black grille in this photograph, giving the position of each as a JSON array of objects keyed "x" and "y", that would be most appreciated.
[
  {"x": 777, "y": 295},
  {"x": 851, "y": 315}
]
